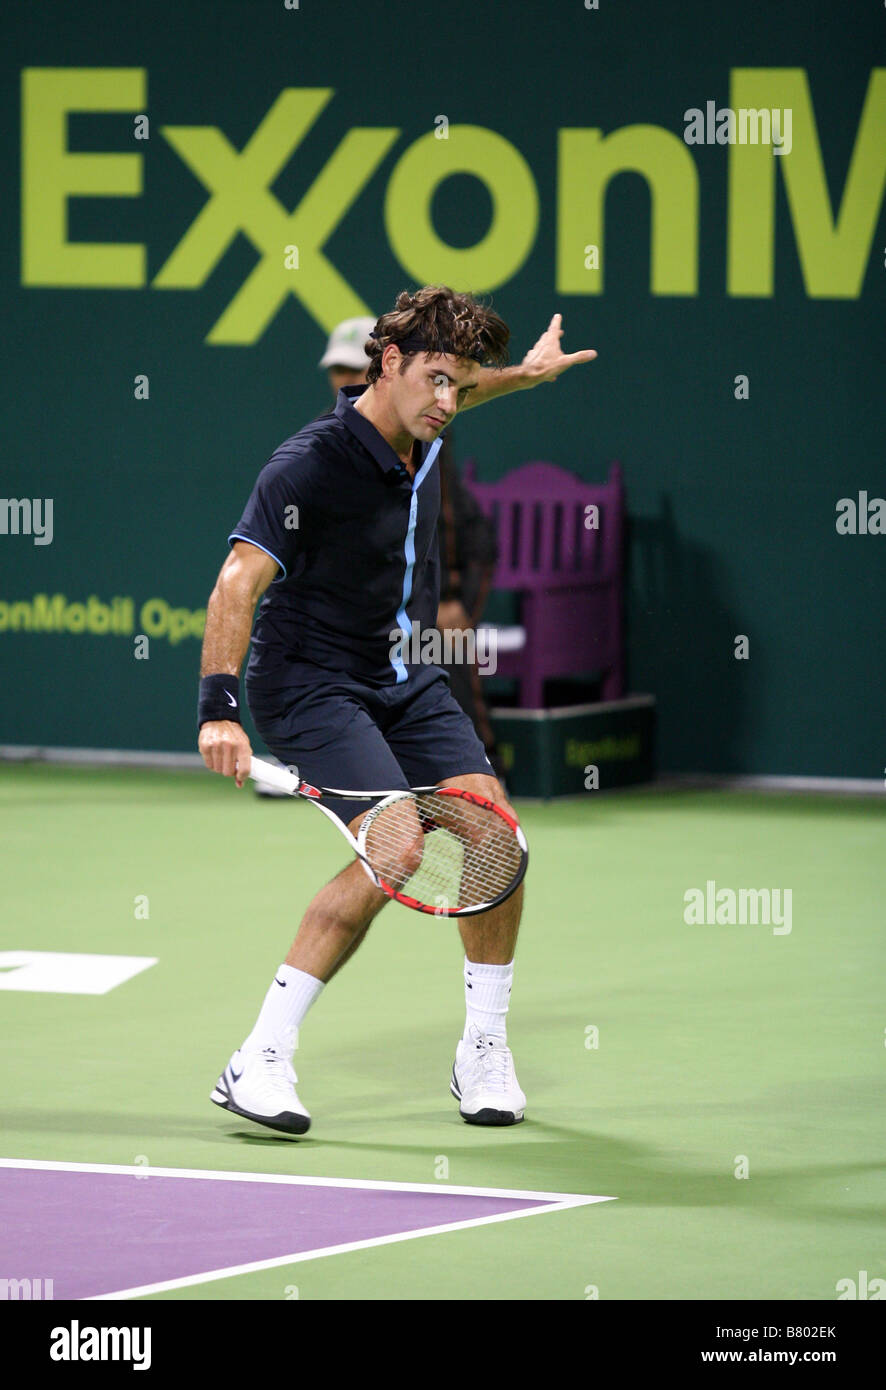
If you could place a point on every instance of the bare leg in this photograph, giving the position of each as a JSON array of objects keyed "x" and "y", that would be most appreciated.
[
  {"x": 343, "y": 959},
  {"x": 491, "y": 937},
  {"x": 339, "y": 917},
  {"x": 336, "y": 921}
]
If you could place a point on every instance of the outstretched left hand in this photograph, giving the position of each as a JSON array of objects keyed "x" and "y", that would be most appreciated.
[{"x": 545, "y": 361}]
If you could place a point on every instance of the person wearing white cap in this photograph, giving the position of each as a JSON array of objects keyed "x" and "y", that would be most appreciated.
[{"x": 345, "y": 359}]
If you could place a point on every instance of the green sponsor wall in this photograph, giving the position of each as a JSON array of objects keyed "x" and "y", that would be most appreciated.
[{"x": 163, "y": 257}]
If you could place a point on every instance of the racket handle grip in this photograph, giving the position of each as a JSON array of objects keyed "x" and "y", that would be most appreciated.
[{"x": 279, "y": 777}]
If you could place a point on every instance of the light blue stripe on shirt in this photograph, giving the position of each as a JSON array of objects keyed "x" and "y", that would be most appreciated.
[
  {"x": 409, "y": 547},
  {"x": 235, "y": 536}
]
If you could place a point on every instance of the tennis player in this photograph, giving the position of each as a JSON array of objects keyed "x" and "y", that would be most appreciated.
[{"x": 339, "y": 540}]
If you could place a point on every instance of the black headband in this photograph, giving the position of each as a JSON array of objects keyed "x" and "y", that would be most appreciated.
[{"x": 414, "y": 342}]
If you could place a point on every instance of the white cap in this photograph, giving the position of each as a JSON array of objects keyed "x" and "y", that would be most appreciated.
[{"x": 345, "y": 346}]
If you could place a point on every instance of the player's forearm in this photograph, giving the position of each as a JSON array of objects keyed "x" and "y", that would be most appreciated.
[
  {"x": 497, "y": 382},
  {"x": 545, "y": 361},
  {"x": 229, "y": 616}
]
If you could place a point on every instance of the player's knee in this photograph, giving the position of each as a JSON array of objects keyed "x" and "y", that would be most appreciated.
[
  {"x": 497, "y": 795},
  {"x": 411, "y": 856},
  {"x": 488, "y": 787}
]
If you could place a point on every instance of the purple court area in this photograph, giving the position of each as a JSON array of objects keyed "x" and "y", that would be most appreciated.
[{"x": 94, "y": 1233}]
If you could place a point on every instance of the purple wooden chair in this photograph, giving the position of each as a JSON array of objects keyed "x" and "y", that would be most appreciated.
[{"x": 567, "y": 570}]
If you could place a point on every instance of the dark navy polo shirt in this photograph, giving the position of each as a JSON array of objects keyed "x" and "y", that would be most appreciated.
[{"x": 355, "y": 538}]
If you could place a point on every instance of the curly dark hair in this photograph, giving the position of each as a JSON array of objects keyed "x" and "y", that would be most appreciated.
[{"x": 445, "y": 322}]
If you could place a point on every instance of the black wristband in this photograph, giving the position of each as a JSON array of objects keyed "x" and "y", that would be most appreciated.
[{"x": 219, "y": 699}]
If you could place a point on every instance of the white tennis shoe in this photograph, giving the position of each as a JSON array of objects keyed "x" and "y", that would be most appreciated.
[
  {"x": 484, "y": 1081},
  {"x": 260, "y": 1086}
]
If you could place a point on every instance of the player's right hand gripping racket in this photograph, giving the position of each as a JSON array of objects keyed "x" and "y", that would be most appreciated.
[{"x": 440, "y": 850}]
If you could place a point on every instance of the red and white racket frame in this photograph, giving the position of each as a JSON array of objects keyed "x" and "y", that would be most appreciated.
[{"x": 284, "y": 780}]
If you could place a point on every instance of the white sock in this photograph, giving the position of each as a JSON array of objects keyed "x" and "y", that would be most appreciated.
[
  {"x": 291, "y": 994},
  {"x": 487, "y": 990}
]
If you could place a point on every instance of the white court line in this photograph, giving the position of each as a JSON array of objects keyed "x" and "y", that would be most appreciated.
[
  {"x": 554, "y": 1201},
  {"x": 575, "y": 1199}
]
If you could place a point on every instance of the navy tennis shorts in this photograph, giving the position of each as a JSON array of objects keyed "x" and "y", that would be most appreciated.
[{"x": 339, "y": 732}]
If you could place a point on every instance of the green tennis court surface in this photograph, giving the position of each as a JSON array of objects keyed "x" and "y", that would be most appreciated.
[{"x": 659, "y": 1058}]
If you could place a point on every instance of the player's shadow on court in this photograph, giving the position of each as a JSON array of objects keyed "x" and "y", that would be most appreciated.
[
  {"x": 141, "y": 1128},
  {"x": 681, "y": 635},
  {"x": 579, "y": 1161},
  {"x": 565, "y": 1159}
]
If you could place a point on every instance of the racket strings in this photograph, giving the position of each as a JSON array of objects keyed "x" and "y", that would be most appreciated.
[{"x": 444, "y": 851}]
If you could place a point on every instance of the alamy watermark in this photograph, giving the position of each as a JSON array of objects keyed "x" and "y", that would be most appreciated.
[
  {"x": 76, "y": 1343},
  {"x": 27, "y": 516},
  {"x": 712, "y": 906},
  {"x": 873, "y": 1290},
  {"x": 865, "y": 517},
  {"x": 451, "y": 646},
  {"x": 15, "y": 1289},
  {"x": 746, "y": 126}
]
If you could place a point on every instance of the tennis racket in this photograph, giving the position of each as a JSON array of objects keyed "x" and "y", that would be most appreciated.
[{"x": 439, "y": 850}]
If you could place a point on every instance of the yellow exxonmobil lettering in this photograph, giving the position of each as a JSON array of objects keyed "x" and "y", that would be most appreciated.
[{"x": 833, "y": 249}]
